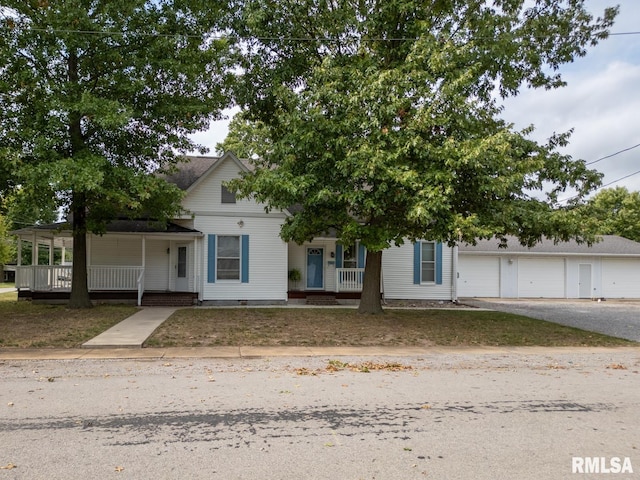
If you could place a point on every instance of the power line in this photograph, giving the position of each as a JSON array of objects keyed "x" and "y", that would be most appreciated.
[{"x": 613, "y": 154}]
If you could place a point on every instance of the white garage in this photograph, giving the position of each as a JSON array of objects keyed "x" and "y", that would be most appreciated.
[
  {"x": 479, "y": 277},
  {"x": 609, "y": 268},
  {"x": 541, "y": 277},
  {"x": 621, "y": 278}
]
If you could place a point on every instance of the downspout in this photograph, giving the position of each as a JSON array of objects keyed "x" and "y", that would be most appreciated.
[{"x": 454, "y": 274}]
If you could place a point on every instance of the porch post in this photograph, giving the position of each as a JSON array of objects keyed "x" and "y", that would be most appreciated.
[
  {"x": 34, "y": 260},
  {"x": 51, "y": 247},
  {"x": 19, "y": 251},
  {"x": 144, "y": 246},
  {"x": 34, "y": 249}
]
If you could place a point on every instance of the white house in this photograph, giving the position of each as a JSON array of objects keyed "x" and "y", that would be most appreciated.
[
  {"x": 224, "y": 251},
  {"x": 228, "y": 251},
  {"x": 607, "y": 269}
]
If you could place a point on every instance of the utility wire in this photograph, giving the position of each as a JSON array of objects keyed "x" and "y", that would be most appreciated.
[{"x": 613, "y": 154}]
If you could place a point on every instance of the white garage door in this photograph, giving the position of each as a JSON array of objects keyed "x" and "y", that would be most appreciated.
[
  {"x": 620, "y": 278},
  {"x": 479, "y": 276},
  {"x": 541, "y": 278}
]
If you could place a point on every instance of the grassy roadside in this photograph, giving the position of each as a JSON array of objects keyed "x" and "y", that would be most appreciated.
[
  {"x": 344, "y": 327},
  {"x": 27, "y": 325}
]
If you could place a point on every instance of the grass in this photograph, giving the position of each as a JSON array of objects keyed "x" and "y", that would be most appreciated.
[
  {"x": 344, "y": 327},
  {"x": 27, "y": 325},
  {"x": 7, "y": 285}
]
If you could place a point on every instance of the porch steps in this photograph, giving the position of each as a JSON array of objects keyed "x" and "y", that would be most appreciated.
[
  {"x": 169, "y": 299},
  {"x": 321, "y": 299}
]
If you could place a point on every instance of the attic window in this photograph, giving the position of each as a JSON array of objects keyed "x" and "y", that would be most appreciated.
[{"x": 228, "y": 196}]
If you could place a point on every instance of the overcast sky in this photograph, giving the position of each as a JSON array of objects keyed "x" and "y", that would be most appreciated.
[{"x": 601, "y": 102}]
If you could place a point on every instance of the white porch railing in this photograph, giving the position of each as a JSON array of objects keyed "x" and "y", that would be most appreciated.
[
  {"x": 99, "y": 277},
  {"x": 349, "y": 279},
  {"x": 44, "y": 277},
  {"x": 113, "y": 278}
]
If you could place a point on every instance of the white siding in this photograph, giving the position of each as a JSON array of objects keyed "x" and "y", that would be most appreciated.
[
  {"x": 621, "y": 278},
  {"x": 115, "y": 250},
  {"x": 541, "y": 277},
  {"x": 156, "y": 272},
  {"x": 397, "y": 275},
  {"x": 479, "y": 276},
  {"x": 205, "y": 198},
  {"x": 267, "y": 259}
]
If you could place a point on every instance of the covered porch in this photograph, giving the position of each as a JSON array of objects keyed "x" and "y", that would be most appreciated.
[
  {"x": 326, "y": 268},
  {"x": 131, "y": 262}
]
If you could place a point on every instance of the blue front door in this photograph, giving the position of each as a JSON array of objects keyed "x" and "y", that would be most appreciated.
[{"x": 315, "y": 257}]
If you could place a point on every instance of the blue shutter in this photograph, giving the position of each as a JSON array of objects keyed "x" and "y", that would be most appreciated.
[
  {"x": 439, "y": 263},
  {"x": 244, "y": 275},
  {"x": 361, "y": 255},
  {"x": 338, "y": 256},
  {"x": 417, "y": 253},
  {"x": 211, "y": 265}
]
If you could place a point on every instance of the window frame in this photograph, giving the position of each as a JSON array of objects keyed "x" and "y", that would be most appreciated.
[
  {"x": 424, "y": 262},
  {"x": 227, "y": 196},
  {"x": 219, "y": 257}
]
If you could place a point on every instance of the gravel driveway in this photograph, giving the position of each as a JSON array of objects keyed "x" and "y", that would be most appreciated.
[{"x": 618, "y": 318}]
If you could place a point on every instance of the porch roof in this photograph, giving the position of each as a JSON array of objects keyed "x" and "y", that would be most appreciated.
[{"x": 115, "y": 226}]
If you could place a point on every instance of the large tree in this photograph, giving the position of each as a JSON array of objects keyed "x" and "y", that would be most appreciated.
[
  {"x": 95, "y": 95},
  {"x": 616, "y": 211},
  {"x": 381, "y": 118}
]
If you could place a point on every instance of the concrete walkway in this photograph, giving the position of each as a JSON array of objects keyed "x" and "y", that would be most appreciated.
[{"x": 132, "y": 331}]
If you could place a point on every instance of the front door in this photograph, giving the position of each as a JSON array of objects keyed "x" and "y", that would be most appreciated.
[
  {"x": 182, "y": 267},
  {"x": 315, "y": 263},
  {"x": 584, "y": 289}
]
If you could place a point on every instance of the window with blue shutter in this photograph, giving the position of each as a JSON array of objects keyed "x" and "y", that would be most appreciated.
[
  {"x": 245, "y": 259},
  {"x": 427, "y": 263},
  {"x": 211, "y": 263}
]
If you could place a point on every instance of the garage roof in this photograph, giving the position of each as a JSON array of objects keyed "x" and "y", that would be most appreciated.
[{"x": 608, "y": 245}]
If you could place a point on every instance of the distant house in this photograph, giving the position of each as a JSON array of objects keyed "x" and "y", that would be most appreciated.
[
  {"x": 225, "y": 251},
  {"x": 607, "y": 269}
]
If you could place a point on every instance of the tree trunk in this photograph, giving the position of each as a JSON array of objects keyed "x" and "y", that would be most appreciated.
[
  {"x": 79, "y": 289},
  {"x": 370, "y": 301}
]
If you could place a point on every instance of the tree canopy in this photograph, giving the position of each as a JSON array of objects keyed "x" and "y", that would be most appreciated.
[
  {"x": 381, "y": 118},
  {"x": 616, "y": 211},
  {"x": 96, "y": 95}
]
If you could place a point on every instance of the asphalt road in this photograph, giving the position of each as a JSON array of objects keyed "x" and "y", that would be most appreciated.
[
  {"x": 448, "y": 416},
  {"x": 618, "y": 318}
]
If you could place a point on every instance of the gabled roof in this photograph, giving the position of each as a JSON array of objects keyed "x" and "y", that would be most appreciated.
[
  {"x": 193, "y": 169},
  {"x": 608, "y": 245}
]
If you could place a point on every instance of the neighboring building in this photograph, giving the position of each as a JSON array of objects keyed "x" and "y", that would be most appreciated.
[
  {"x": 228, "y": 251},
  {"x": 609, "y": 268}
]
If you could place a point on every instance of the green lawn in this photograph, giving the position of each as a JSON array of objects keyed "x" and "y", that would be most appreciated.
[
  {"x": 344, "y": 327},
  {"x": 27, "y": 325}
]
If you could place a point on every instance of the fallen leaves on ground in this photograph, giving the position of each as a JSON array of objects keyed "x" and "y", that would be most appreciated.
[
  {"x": 363, "y": 367},
  {"x": 616, "y": 366}
]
